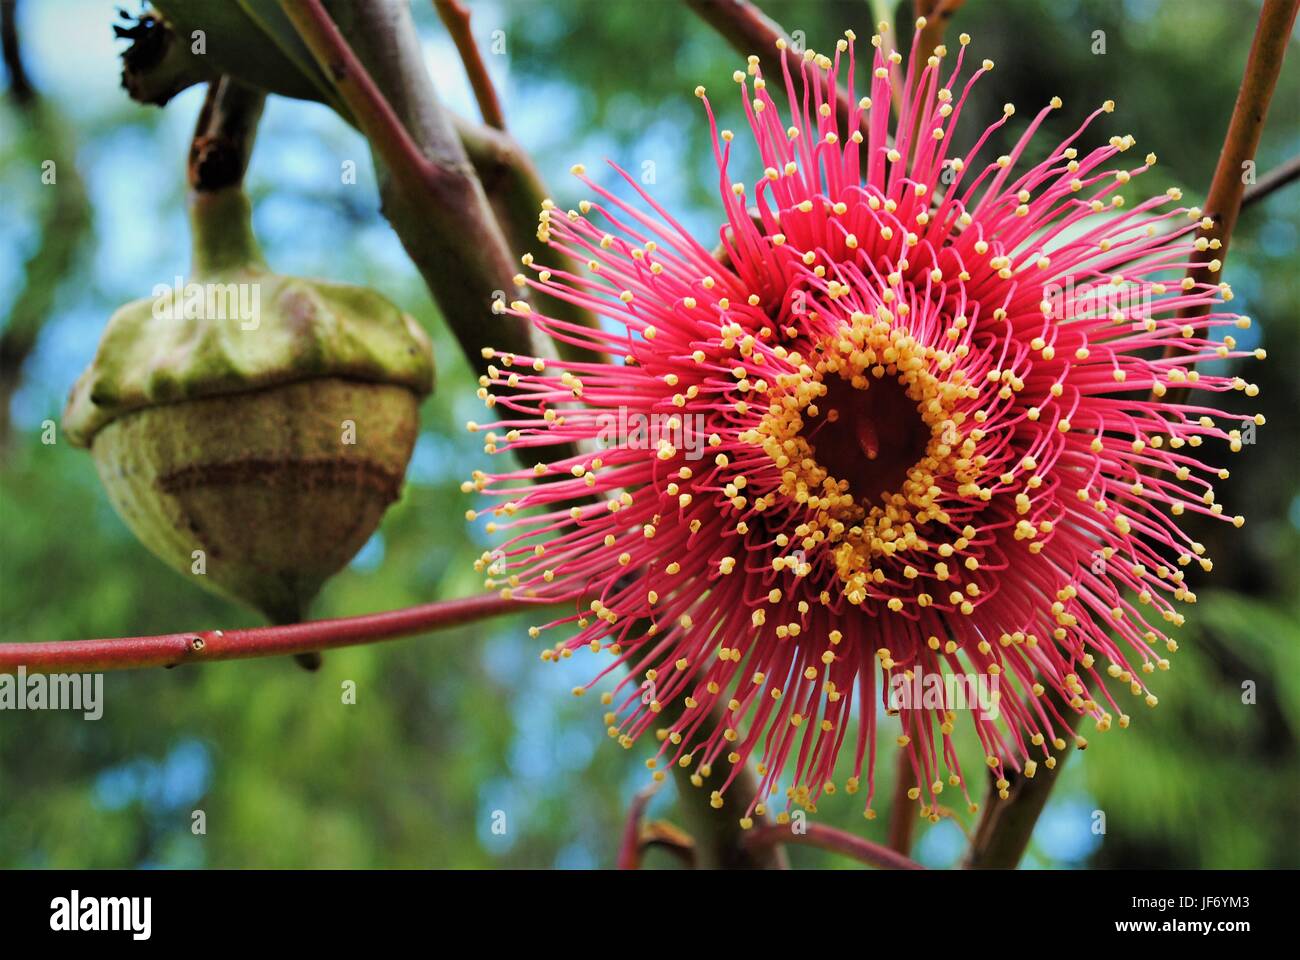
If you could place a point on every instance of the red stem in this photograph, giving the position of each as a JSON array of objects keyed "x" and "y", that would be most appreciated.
[
  {"x": 937, "y": 13},
  {"x": 455, "y": 17},
  {"x": 430, "y": 193},
  {"x": 903, "y": 812},
  {"x": 170, "y": 649},
  {"x": 374, "y": 114},
  {"x": 837, "y": 841},
  {"x": 1263, "y": 66},
  {"x": 629, "y": 849}
]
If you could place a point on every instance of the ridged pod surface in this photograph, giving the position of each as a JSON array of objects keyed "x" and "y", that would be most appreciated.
[{"x": 263, "y": 420}]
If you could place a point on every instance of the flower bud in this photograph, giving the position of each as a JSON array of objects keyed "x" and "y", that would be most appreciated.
[{"x": 251, "y": 428}]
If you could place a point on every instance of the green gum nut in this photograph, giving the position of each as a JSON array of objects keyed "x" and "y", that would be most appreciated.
[{"x": 251, "y": 429}]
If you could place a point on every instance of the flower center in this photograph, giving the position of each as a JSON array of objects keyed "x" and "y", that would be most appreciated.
[
  {"x": 862, "y": 429},
  {"x": 869, "y": 437}
]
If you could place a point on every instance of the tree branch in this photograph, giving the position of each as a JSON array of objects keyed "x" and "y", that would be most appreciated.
[
  {"x": 750, "y": 31},
  {"x": 372, "y": 111},
  {"x": 223, "y": 135},
  {"x": 937, "y": 15},
  {"x": 455, "y": 17},
  {"x": 719, "y": 837},
  {"x": 1006, "y": 826},
  {"x": 903, "y": 812},
  {"x": 171, "y": 649},
  {"x": 516, "y": 191},
  {"x": 1275, "y": 179},
  {"x": 20, "y": 87},
  {"x": 837, "y": 841},
  {"x": 275, "y": 58},
  {"x": 1263, "y": 66},
  {"x": 430, "y": 193}
]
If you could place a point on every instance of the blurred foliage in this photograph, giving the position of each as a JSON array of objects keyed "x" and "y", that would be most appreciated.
[{"x": 450, "y": 728}]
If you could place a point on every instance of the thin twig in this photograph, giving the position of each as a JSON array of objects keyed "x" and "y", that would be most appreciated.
[
  {"x": 937, "y": 15},
  {"x": 171, "y": 649},
  {"x": 1263, "y": 66},
  {"x": 224, "y": 134},
  {"x": 431, "y": 195},
  {"x": 719, "y": 837},
  {"x": 455, "y": 17},
  {"x": 374, "y": 114},
  {"x": 750, "y": 31},
  {"x": 1004, "y": 830},
  {"x": 673, "y": 840},
  {"x": 629, "y": 850},
  {"x": 20, "y": 88},
  {"x": 903, "y": 812},
  {"x": 837, "y": 841},
  {"x": 1275, "y": 179}
]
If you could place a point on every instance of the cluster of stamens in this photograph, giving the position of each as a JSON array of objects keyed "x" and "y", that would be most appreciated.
[{"x": 861, "y": 444}]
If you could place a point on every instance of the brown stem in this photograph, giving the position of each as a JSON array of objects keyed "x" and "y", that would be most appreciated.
[
  {"x": 221, "y": 223},
  {"x": 903, "y": 812},
  {"x": 20, "y": 88},
  {"x": 1263, "y": 65},
  {"x": 938, "y": 14},
  {"x": 1275, "y": 179},
  {"x": 719, "y": 837},
  {"x": 750, "y": 31},
  {"x": 224, "y": 134},
  {"x": 171, "y": 649},
  {"x": 430, "y": 193},
  {"x": 1005, "y": 827},
  {"x": 837, "y": 841},
  {"x": 629, "y": 849},
  {"x": 516, "y": 191},
  {"x": 455, "y": 17}
]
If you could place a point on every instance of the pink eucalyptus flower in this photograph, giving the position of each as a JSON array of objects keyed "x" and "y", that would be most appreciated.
[{"x": 919, "y": 415}]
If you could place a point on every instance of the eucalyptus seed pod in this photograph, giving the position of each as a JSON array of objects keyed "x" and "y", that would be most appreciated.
[{"x": 250, "y": 428}]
